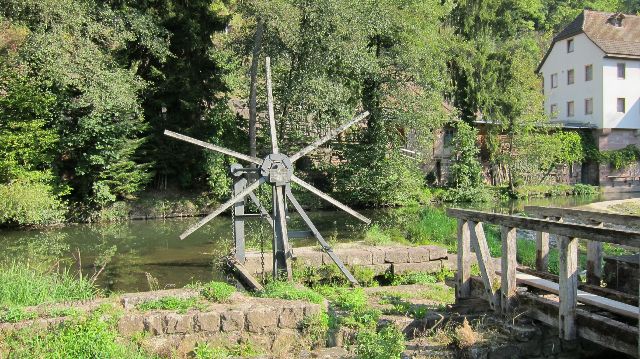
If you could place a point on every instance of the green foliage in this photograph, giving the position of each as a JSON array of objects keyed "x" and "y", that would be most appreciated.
[
  {"x": 181, "y": 305},
  {"x": 24, "y": 285},
  {"x": 288, "y": 290},
  {"x": 219, "y": 292},
  {"x": 622, "y": 158},
  {"x": 365, "y": 276},
  {"x": 91, "y": 337},
  {"x": 465, "y": 170},
  {"x": 316, "y": 327},
  {"x": 30, "y": 203},
  {"x": 414, "y": 278},
  {"x": 385, "y": 344},
  {"x": 375, "y": 236},
  {"x": 552, "y": 190},
  {"x": 15, "y": 314},
  {"x": 433, "y": 226}
]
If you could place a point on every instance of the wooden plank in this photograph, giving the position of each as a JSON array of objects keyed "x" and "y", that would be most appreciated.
[
  {"x": 601, "y": 330},
  {"x": 572, "y": 230},
  {"x": 509, "y": 264},
  {"x": 244, "y": 274},
  {"x": 585, "y": 216},
  {"x": 611, "y": 305},
  {"x": 272, "y": 118},
  {"x": 542, "y": 250},
  {"x": 594, "y": 260},
  {"x": 479, "y": 243},
  {"x": 464, "y": 260},
  {"x": 239, "y": 183},
  {"x": 568, "y": 286},
  {"x": 213, "y": 147}
]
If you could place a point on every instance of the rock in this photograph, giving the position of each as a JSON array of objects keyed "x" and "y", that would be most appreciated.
[
  {"x": 207, "y": 322},
  {"x": 419, "y": 255},
  {"x": 291, "y": 317},
  {"x": 262, "y": 319},
  {"x": 177, "y": 323},
  {"x": 284, "y": 342},
  {"x": 436, "y": 252},
  {"x": 429, "y": 267},
  {"x": 130, "y": 324},
  {"x": 506, "y": 351},
  {"x": 153, "y": 324},
  {"x": 355, "y": 256},
  {"x": 232, "y": 320},
  {"x": 396, "y": 255}
]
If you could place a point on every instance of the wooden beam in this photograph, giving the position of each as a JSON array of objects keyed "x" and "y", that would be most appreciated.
[
  {"x": 479, "y": 243},
  {"x": 594, "y": 260},
  {"x": 244, "y": 274},
  {"x": 464, "y": 260},
  {"x": 542, "y": 250},
  {"x": 595, "y": 328},
  {"x": 607, "y": 235},
  {"x": 568, "y": 286},
  {"x": 509, "y": 264},
  {"x": 585, "y": 216}
]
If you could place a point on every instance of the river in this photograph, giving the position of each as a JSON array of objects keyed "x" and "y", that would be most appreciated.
[{"x": 145, "y": 249}]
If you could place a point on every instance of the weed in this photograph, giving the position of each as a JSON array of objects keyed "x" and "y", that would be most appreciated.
[
  {"x": 465, "y": 337},
  {"x": 243, "y": 350},
  {"x": 375, "y": 236},
  {"x": 414, "y": 278},
  {"x": 388, "y": 343},
  {"x": 63, "y": 312},
  {"x": 365, "y": 276},
  {"x": 182, "y": 305},
  {"x": 287, "y": 290},
  {"x": 315, "y": 327},
  {"x": 219, "y": 292}
]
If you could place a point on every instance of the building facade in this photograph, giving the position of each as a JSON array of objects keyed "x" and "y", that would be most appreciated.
[{"x": 591, "y": 80}]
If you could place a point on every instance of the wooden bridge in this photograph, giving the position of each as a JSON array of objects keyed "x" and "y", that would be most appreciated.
[{"x": 579, "y": 310}]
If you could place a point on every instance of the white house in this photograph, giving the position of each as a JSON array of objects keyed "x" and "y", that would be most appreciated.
[{"x": 591, "y": 78}]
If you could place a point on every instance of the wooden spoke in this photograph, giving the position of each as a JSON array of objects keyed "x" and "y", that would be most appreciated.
[
  {"x": 212, "y": 147},
  {"x": 272, "y": 119}
]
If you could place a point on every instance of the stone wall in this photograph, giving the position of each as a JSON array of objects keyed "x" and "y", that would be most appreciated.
[
  {"x": 623, "y": 180},
  {"x": 382, "y": 259}
]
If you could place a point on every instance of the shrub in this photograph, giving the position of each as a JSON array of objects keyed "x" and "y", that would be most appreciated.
[
  {"x": 375, "y": 236},
  {"x": 434, "y": 226},
  {"x": 315, "y": 327},
  {"x": 22, "y": 285},
  {"x": 170, "y": 303},
  {"x": 217, "y": 291},
  {"x": 287, "y": 290},
  {"x": 580, "y": 189},
  {"x": 29, "y": 203},
  {"x": 388, "y": 343},
  {"x": 15, "y": 314}
]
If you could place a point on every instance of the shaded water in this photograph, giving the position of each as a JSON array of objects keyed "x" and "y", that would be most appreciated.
[{"x": 153, "y": 246}]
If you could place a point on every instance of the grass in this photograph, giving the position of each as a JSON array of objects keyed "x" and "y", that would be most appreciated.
[
  {"x": 219, "y": 292},
  {"x": 388, "y": 343},
  {"x": 291, "y": 291},
  {"x": 242, "y": 350},
  {"x": 94, "y": 336},
  {"x": 22, "y": 285},
  {"x": 181, "y": 305},
  {"x": 433, "y": 226},
  {"x": 16, "y": 314}
]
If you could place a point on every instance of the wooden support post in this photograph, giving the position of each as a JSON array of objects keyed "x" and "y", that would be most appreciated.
[
  {"x": 464, "y": 260},
  {"x": 239, "y": 184},
  {"x": 542, "y": 250},
  {"x": 594, "y": 260},
  {"x": 509, "y": 264},
  {"x": 568, "y": 286},
  {"x": 479, "y": 243}
]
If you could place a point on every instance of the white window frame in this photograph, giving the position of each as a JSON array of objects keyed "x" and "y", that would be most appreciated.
[
  {"x": 622, "y": 70},
  {"x": 553, "y": 111},
  {"x": 554, "y": 81},
  {"x": 588, "y": 106},
  {"x": 588, "y": 70},
  {"x": 571, "y": 79},
  {"x": 571, "y": 109},
  {"x": 570, "y": 45},
  {"x": 624, "y": 105}
]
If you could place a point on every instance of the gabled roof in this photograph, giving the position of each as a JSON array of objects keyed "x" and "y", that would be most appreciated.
[{"x": 615, "y": 41}]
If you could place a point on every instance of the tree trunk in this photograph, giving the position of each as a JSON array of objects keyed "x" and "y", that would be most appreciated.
[{"x": 253, "y": 111}]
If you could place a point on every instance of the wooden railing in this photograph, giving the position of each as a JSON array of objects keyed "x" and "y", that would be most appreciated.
[
  {"x": 594, "y": 248},
  {"x": 471, "y": 234}
]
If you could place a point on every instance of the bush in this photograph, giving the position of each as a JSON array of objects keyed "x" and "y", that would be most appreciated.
[
  {"x": 217, "y": 291},
  {"x": 21, "y": 285},
  {"x": 434, "y": 227},
  {"x": 388, "y": 343},
  {"x": 29, "y": 203},
  {"x": 315, "y": 327},
  {"x": 375, "y": 236},
  {"x": 181, "y": 305}
]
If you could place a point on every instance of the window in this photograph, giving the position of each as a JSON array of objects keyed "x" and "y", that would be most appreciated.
[
  {"x": 621, "y": 105},
  {"x": 448, "y": 137},
  {"x": 570, "y": 109},
  {"x": 554, "y": 81},
  {"x": 588, "y": 73},
  {"x": 622, "y": 69},
  {"x": 554, "y": 111},
  {"x": 570, "y": 77},
  {"x": 570, "y": 45},
  {"x": 588, "y": 106}
]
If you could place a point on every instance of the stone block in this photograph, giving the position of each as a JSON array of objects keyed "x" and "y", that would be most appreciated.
[
  {"x": 427, "y": 267},
  {"x": 419, "y": 254},
  {"x": 355, "y": 256},
  {"x": 207, "y": 322},
  {"x": 153, "y": 324},
  {"x": 261, "y": 319},
  {"x": 232, "y": 320},
  {"x": 312, "y": 309},
  {"x": 284, "y": 342},
  {"x": 377, "y": 255},
  {"x": 178, "y": 323},
  {"x": 379, "y": 269},
  {"x": 130, "y": 324},
  {"x": 436, "y": 252},
  {"x": 291, "y": 317},
  {"x": 308, "y": 257},
  {"x": 396, "y": 255}
]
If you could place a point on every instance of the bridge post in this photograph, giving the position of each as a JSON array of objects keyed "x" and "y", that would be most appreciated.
[
  {"x": 479, "y": 243},
  {"x": 594, "y": 260},
  {"x": 464, "y": 260},
  {"x": 568, "y": 286},
  {"x": 542, "y": 250},
  {"x": 508, "y": 273}
]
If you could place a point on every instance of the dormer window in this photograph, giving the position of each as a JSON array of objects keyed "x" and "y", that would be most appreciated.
[
  {"x": 616, "y": 19},
  {"x": 570, "y": 45}
]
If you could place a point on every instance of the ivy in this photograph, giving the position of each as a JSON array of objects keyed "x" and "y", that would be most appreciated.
[{"x": 622, "y": 158}]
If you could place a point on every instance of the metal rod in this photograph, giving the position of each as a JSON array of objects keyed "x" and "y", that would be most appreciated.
[
  {"x": 223, "y": 207},
  {"x": 261, "y": 208},
  {"x": 317, "y": 143},
  {"x": 272, "y": 119},
  {"x": 323, "y": 243},
  {"x": 326, "y": 197},
  {"x": 212, "y": 147}
]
